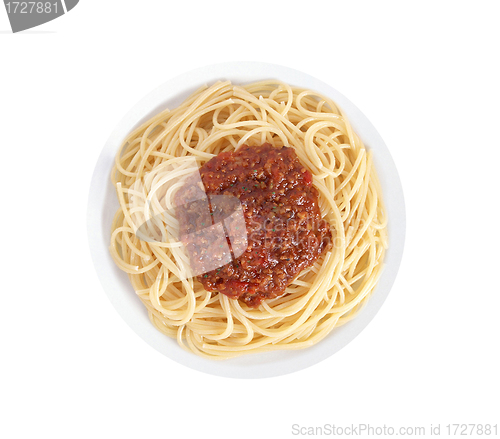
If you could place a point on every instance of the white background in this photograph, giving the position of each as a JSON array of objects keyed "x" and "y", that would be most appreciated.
[{"x": 426, "y": 74}]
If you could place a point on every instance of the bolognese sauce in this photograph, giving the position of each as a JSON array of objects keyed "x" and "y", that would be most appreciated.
[{"x": 284, "y": 229}]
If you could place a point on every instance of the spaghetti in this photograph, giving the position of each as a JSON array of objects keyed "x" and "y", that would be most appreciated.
[{"x": 222, "y": 118}]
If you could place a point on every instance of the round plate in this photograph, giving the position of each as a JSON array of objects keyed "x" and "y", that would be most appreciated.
[{"x": 102, "y": 205}]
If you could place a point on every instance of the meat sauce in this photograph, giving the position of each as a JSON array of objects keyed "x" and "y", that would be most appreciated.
[{"x": 284, "y": 229}]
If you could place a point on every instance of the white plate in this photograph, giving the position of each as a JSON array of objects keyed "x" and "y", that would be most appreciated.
[{"x": 103, "y": 204}]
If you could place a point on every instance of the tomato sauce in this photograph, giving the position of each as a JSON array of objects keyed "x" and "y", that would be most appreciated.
[{"x": 285, "y": 231}]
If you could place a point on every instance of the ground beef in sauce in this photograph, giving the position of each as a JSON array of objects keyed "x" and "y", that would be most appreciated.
[{"x": 285, "y": 232}]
